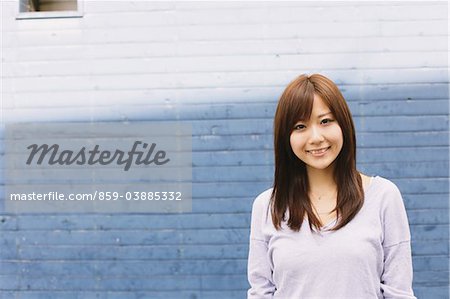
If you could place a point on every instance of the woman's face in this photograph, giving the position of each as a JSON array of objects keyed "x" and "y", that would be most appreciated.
[{"x": 317, "y": 141}]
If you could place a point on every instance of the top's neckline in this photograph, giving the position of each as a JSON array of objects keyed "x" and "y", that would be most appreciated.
[{"x": 368, "y": 188}]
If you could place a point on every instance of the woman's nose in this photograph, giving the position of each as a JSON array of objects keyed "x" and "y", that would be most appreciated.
[{"x": 316, "y": 135}]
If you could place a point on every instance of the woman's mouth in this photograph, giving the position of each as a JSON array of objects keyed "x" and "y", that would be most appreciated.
[{"x": 319, "y": 152}]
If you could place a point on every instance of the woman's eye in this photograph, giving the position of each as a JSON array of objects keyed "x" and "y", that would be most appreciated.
[
  {"x": 299, "y": 127},
  {"x": 326, "y": 121}
]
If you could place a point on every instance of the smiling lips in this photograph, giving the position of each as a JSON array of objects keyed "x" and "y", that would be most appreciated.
[{"x": 318, "y": 152}]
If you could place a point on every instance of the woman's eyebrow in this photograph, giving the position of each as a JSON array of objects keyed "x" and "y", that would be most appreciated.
[{"x": 322, "y": 115}]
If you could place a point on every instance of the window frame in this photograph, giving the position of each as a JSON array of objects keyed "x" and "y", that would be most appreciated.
[{"x": 50, "y": 14}]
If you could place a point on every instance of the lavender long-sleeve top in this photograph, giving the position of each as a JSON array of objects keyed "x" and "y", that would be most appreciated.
[{"x": 368, "y": 258}]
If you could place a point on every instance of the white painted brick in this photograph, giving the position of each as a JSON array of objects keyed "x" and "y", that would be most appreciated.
[
  {"x": 108, "y": 7},
  {"x": 241, "y": 79},
  {"x": 309, "y": 46},
  {"x": 223, "y": 64}
]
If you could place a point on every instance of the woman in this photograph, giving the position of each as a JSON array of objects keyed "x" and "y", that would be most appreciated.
[{"x": 325, "y": 230}]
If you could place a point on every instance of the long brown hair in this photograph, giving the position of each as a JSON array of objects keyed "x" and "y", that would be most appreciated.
[{"x": 290, "y": 188}]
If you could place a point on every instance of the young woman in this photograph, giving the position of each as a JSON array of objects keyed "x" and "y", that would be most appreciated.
[{"x": 325, "y": 230}]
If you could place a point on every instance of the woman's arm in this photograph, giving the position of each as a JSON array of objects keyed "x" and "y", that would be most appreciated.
[
  {"x": 259, "y": 269},
  {"x": 396, "y": 279}
]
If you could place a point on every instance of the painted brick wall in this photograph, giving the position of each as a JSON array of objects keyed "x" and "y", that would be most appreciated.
[{"x": 221, "y": 66}]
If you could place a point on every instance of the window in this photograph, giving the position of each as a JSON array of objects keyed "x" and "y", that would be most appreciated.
[{"x": 34, "y": 9}]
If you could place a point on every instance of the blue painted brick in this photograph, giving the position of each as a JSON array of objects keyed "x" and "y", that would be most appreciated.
[
  {"x": 432, "y": 292},
  {"x": 432, "y": 278},
  {"x": 400, "y": 110}
]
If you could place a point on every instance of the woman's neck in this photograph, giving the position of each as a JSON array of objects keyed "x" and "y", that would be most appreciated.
[{"x": 321, "y": 181}]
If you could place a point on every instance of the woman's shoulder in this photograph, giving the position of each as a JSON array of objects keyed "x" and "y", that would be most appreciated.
[
  {"x": 384, "y": 185},
  {"x": 391, "y": 209},
  {"x": 385, "y": 192},
  {"x": 263, "y": 199}
]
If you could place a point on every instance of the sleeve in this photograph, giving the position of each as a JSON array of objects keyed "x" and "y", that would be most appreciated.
[
  {"x": 396, "y": 279},
  {"x": 259, "y": 269}
]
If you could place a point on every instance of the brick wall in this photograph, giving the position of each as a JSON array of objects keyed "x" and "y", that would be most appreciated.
[{"x": 221, "y": 66}]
